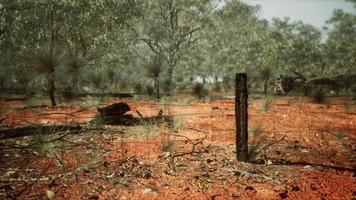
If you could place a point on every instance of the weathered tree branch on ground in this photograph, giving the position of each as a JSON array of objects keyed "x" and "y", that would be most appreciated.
[
  {"x": 31, "y": 130},
  {"x": 194, "y": 144}
]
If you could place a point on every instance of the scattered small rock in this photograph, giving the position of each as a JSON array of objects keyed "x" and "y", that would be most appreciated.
[
  {"x": 295, "y": 189},
  {"x": 312, "y": 187},
  {"x": 149, "y": 191},
  {"x": 94, "y": 197},
  {"x": 51, "y": 195},
  {"x": 236, "y": 195},
  {"x": 269, "y": 162},
  {"x": 283, "y": 194},
  {"x": 304, "y": 151},
  {"x": 123, "y": 198},
  {"x": 106, "y": 164},
  {"x": 249, "y": 188},
  {"x": 237, "y": 173}
]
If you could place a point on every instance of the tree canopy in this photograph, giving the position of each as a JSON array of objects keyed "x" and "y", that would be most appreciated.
[{"x": 106, "y": 46}]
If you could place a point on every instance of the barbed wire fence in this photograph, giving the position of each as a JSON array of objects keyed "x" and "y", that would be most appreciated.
[{"x": 215, "y": 119}]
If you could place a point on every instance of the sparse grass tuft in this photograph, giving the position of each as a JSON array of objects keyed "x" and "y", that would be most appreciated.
[
  {"x": 348, "y": 106},
  {"x": 256, "y": 145},
  {"x": 43, "y": 142},
  {"x": 267, "y": 104},
  {"x": 167, "y": 143},
  {"x": 177, "y": 124},
  {"x": 98, "y": 121},
  {"x": 147, "y": 129},
  {"x": 255, "y": 131}
]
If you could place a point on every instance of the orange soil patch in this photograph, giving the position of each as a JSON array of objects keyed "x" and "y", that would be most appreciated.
[{"x": 312, "y": 152}]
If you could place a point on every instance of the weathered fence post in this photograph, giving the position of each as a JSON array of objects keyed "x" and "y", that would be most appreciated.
[{"x": 241, "y": 96}]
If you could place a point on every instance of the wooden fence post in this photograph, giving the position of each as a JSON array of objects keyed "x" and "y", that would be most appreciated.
[{"x": 241, "y": 115}]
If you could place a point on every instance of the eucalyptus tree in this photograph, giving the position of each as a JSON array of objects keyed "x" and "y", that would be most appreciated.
[
  {"x": 300, "y": 50},
  {"x": 234, "y": 24},
  {"x": 341, "y": 42},
  {"x": 234, "y": 40},
  {"x": 77, "y": 29},
  {"x": 170, "y": 27}
]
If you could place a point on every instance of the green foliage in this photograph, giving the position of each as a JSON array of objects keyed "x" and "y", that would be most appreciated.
[
  {"x": 182, "y": 40},
  {"x": 227, "y": 82},
  {"x": 167, "y": 85},
  {"x": 216, "y": 87},
  {"x": 67, "y": 92},
  {"x": 149, "y": 90},
  {"x": 154, "y": 68},
  {"x": 138, "y": 88},
  {"x": 43, "y": 61},
  {"x": 199, "y": 90}
]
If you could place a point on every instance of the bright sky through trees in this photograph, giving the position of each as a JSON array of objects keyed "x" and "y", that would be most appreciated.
[{"x": 314, "y": 12}]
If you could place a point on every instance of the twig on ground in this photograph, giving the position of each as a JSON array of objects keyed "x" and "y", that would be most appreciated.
[
  {"x": 194, "y": 144},
  {"x": 20, "y": 148},
  {"x": 252, "y": 175},
  {"x": 44, "y": 170}
]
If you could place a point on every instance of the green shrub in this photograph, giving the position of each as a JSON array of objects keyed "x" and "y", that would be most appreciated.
[
  {"x": 167, "y": 85},
  {"x": 138, "y": 88},
  {"x": 149, "y": 90},
  {"x": 67, "y": 92},
  {"x": 217, "y": 87},
  {"x": 199, "y": 90},
  {"x": 44, "y": 141},
  {"x": 319, "y": 96}
]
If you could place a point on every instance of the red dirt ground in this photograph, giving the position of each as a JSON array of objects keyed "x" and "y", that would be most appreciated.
[{"x": 306, "y": 151}]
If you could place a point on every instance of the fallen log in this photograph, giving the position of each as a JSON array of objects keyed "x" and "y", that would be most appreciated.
[
  {"x": 115, "y": 114},
  {"x": 116, "y": 109},
  {"x": 37, "y": 129}
]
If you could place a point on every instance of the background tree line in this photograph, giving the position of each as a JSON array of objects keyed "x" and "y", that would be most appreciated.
[{"x": 75, "y": 46}]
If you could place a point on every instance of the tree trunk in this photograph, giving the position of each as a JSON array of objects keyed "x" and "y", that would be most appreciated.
[
  {"x": 156, "y": 85},
  {"x": 51, "y": 88},
  {"x": 170, "y": 72},
  {"x": 265, "y": 86}
]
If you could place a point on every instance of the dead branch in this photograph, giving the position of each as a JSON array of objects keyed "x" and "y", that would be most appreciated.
[
  {"x": 44, "y": 170},
  {"x": 194, "y": 144},
  {"x": 252, "y": 175},
  {"x": 200, "y": 131},
  {"x": 31, "y": 130},
  {"x": 20, "y": 148},
  {"x": 291, "y": 163},
  {"x": 139, "y": 114}
]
